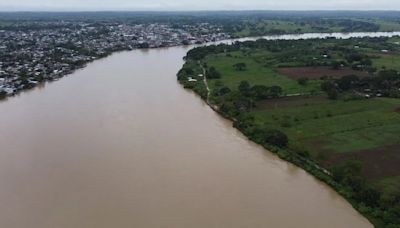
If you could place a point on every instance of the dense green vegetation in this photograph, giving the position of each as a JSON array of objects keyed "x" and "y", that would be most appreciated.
[
  {"x": 330, "y": 106},
  {"x": 259, "y": 27}
]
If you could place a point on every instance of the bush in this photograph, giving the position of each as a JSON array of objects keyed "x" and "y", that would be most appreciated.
[
  {"x": 244, "y": 88},
  {"x": 212, "y": 73},
  {"x": 333, "y": 94},
  {"x": 276, "y": 138},
  {"x": 348, "y": 82},
  {"x": 3, "y": 94},
  {"x": 240, "y": 66},
  {"x": 223, "y": 90},
  {"x": 302, "y": 81},
  {"x": 300, "y": 150},
  {"x": 260, "y": 92}
]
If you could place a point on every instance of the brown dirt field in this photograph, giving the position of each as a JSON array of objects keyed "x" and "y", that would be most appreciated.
[
  {"x": 289, "y": 101},
  {"x": 377, "y": 163},
  {"x": 318, "y": 72}
]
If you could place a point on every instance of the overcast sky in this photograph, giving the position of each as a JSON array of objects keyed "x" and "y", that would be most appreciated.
[{"x": 66, "y": 5}]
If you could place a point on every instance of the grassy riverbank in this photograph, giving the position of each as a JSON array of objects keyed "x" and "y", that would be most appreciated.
[{"x": 329, "y": 106}]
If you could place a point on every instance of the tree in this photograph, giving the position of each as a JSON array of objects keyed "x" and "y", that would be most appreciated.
[
  {"x": 276, "y": 138},
  {"x": 354, "y": 57},
  {"x": 243, "y": 105},
  {"x": 370, "y": 196},
  {"x": 184, "y": 73},
  {"x": 336, "y": 65},
  {"x": 347, "y": 82},
  {"x": 302, "y": 81},
  {"x": 330, "y": 88},
  {"x": 189, "y": 71},
  {"x": 327, "y": 85},
  {"x": 143, "y": 45},
  {"x": 240, "y": 66},
  {"x": 366, "y": 61},
  {"x": 222, "y": 91},
  {"x": 260, "y": 92},
  {"x": 227, "y": 108},
  {"x": 212, "y": 73},
  {"x": 333, "y": 94},
  {"x": 275, "y": 91},
  {"x": 244, "y": 88},
  {"x": 3, "y": 94},
  {"x": 344, "y": 170}
]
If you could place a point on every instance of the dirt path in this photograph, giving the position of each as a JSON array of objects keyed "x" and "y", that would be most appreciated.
[{"x": 205, "y": 82}]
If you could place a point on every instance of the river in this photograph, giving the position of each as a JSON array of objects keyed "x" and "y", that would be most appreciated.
[{"x": 121, "y": 144}]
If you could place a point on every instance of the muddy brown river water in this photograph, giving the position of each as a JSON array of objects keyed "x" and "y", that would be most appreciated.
[{"x": 121, "y": 144}]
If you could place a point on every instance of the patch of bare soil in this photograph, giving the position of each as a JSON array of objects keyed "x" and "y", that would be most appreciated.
[{"x": 377, "y": 163}]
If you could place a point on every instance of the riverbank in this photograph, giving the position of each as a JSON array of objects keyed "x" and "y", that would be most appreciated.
[
  {"x": 97, "y": 138},
  {"x": 307, "y": 165},
  {"x": 124, "y": 139},
  {"x": 13, "y": 88},
  {"x": 228, "y": 102}
]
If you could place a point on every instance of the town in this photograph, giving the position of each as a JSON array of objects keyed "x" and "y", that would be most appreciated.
[{"x": 48, "y": 50}]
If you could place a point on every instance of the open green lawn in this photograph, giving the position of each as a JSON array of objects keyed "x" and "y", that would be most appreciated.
[
  {"x": 257, "y": 73},
  {"x": 342, "y": 126},
  {"x": 387, "y": 61},
  {"x": 389, "y": 186},
  {"x": 364, "y": 138}
]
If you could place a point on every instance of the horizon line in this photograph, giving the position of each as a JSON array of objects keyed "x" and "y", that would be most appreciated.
[{"x": 72, "y": 10}]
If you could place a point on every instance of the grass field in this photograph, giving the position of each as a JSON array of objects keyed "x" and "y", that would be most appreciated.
[
  {"x": 389, "y": 185},
  {"x": 317, "y": 72},
  {"x": 360, "y": 125},
  {"x": 257, "y": 73},
  {"x": 336, "y": 126},
  {"x": 388, "y": 61},
  {"x": 341, "y": 126},
  {"x": 319, "y": 125}
]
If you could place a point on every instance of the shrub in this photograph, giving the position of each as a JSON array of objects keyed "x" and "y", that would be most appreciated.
[
  {"x": 3, "y": 94},
  {"x": 276, "y": 138},
  {"x": 212, "y": 73},
  {"x": 223, "y": 90},
  {"x": 240, "y": 66},
  {"x": 302, "y": 81}
]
